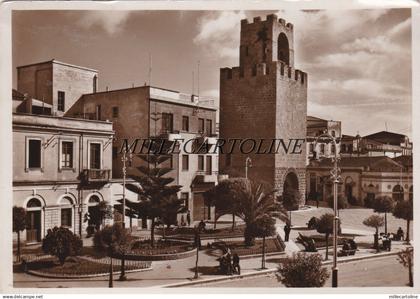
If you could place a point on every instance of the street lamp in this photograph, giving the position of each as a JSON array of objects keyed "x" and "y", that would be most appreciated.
[
  {"x": 124, "y": 170},
  {"x": 197, "y": 242},
  {"x": 335, "y": 176},
  {"x": 248, "y": 164}
]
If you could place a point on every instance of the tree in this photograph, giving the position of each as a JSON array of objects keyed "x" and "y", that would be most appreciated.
[
  {"x": 376, "y": 222},
  {"x": 61, "y": 242},
  {"x": 225, "y": 197},
  {"x": 325, "y": 226},
  {"x": 303, "y": 270},
  {"x": 290, "y": 200},
  {"x": 342, "y": 202},
  {"x": 383, "y": 204},
  {"x": 264, "y": 227},
  {"x": 155, "y": 190},
  {"x": 404, "y": 210},
  {"x": 405, "y": 257},
  {"x": 19, "y": 224},
  {"x": 254, "y": 203},
  {"x": 112, "y": 240}
]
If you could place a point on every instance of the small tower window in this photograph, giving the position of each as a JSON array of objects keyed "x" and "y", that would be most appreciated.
[{"x": 283, "y": 49}]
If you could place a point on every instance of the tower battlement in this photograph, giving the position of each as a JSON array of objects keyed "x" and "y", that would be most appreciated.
[
  {"x": 269, "y": 18},
  {"x": 264, "y": 69},
  {"x": 266, "y": 41}
]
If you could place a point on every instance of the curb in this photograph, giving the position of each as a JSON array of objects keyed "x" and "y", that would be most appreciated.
[{"x": 267, "y": 271}]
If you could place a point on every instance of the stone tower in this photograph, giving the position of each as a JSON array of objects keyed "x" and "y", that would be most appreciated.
[{"x": 265, "y": 98}]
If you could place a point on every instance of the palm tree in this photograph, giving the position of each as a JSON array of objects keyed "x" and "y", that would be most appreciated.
[{"x": 256, "y": 202}]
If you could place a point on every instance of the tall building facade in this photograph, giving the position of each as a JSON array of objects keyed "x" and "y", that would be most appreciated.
[
  {"x": 265, "y": 97},
  {"x": 145, "y": 112}
]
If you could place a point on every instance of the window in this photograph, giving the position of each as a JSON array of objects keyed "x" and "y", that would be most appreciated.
[
  {"x": 209, "y": 165},
  {"x": 184, "y": 197},
  {"x": 98, "y": 112},
  {"x": 200, "y": 125},
  {"x": 311, "y": 148},
  {"x": 95, "y": 83},
  {"x": 167, "y": 122},
  {"x": 61, "y": 101},
  {"x": 66, "y": 217},
  {"x": 185, "y": 162},
  {"x": 95, "y": 156},
  {"x": 200, "y": 163},
  {"x": 185, "y": 123},
  {"x": 67, "y": 154},
  {"x": 322, "y": 149},
  {"x": 34, "y": 153},
  {"x": 114, "y": 152},
  {"x": 115, "y": 112},
  {"x": 209, "y": 127},
  {"x": 228, "y": 160},
  {"x": 66, "y": 211}
]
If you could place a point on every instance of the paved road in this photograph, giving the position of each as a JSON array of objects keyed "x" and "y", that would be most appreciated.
[{"x": 379, "y": 272}]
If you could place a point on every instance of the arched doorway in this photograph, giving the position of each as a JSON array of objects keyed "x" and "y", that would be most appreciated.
[
  {"x": 94, "y": 219},
  {"x": 33, "y": 220},
  {"x": 398, "y": 193},
  {"x": 370, "y": 196},
  {"x": 348, "y": 190},
  {"x": 283, "y": 48}
]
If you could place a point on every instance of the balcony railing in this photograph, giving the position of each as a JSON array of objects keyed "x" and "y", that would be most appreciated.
[{"x": 96, "y": 175}]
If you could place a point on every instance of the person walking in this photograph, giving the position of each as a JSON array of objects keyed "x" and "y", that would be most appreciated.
[
  {"x": 286, "y": 232},
  {"x": 189, "y": 218},
  {"x": 235, "y": 264}
]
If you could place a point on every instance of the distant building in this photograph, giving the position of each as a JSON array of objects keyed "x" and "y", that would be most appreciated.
[
  {"x": 265, "y": 97},
  {"x": 362, "y": 179},
  {"x": 315, "y": 127},
  {"x": 143, "y": 112},
  {"x": 378, "y": 144}
]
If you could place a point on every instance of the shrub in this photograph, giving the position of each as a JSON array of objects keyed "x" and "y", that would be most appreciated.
[
  {"x": 404, "y": 210},
  {"x": 19, "y": 224},
  {"x": 61, "y": 242},
  {"x": 376, "y": 222},
  {"x": 303, "y": 270}
]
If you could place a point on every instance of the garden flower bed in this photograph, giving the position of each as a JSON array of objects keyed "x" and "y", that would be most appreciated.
[
  {"x": 188, "y": 233},
  {"x": 76, "y": 267},
  {"x": 272, "y": 245}
]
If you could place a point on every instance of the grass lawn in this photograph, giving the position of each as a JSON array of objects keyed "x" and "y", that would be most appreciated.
[
  {"x": 160, "y": 247},
  {"x": 189, "y": 232}
]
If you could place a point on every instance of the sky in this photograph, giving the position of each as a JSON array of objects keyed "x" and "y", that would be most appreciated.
[{"x": 358, "y": 61}]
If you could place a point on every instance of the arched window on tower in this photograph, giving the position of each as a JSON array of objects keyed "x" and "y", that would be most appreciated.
[{"x": 283, "y": 48}]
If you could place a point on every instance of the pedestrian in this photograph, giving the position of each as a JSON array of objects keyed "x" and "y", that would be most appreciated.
[
  {"x": 400, "y": 234},
  {"x": 389, "y": 242},
  {"x": 202, "y": 226},
  {"x": 235, "y": 262},
  {"x": 229, "y": 262},
  {"x": 189, "y": 218},
  {"x": 286, "y": 232}
]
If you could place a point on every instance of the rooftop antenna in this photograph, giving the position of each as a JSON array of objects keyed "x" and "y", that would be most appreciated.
[
  {"x": 193, "y": 84},
  {"x": 196, "y": 109},
  {"x": 150, "y": 69},
  {"x": 386, "y": 127}
]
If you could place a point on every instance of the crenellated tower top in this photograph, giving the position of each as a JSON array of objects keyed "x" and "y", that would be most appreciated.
[{"x": 266, "y": 41}]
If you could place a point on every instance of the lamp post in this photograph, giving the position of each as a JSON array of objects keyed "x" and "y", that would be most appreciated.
[
  {"x": 248, "y": 164},
  {"x": 335, "y": 176},
  {"x": 124, "y": 170}
]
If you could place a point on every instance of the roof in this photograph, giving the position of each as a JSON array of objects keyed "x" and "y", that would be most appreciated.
[
  {"x": 376, "y": 164},
  {"x": 386, "y": 137},
  {"x": 58, "y": 62},
  {"x": 313, "y": 118},
  {"x": 405, "y": 160}
]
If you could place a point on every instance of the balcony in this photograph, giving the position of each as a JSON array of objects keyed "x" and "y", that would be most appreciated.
[
  {"x": 96, "y": 175},
  {"x": 209, "y": 138},
  {"x": 170, "y": 135},
  {"x": 206, "y": 176}
]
